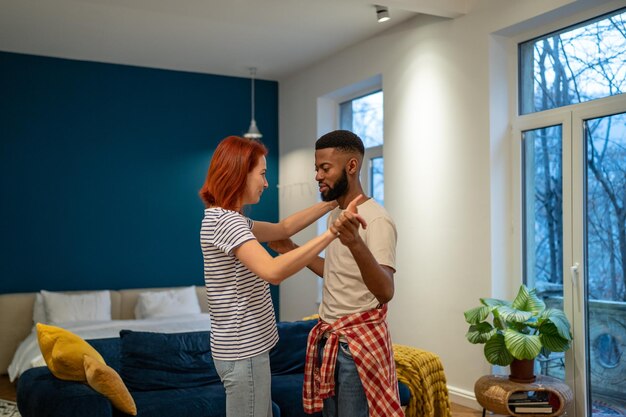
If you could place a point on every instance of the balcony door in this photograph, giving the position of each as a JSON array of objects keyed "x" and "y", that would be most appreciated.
[{"x": 574, "y": 242}]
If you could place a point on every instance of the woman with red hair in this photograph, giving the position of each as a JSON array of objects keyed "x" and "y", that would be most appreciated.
[{"x": 237, "y": 270}]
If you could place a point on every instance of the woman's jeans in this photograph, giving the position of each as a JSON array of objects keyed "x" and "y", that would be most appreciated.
[
  {"x": 349, "y": 399},
  {"x": 248, "y": 386}
]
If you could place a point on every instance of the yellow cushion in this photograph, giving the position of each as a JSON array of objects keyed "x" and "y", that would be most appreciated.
[
  {"x": 70, "y": 358},
  {"x": 107, "y": 382},
  {"x": 63, "y": 352}
]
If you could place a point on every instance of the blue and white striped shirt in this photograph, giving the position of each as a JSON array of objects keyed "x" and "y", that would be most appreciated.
[{"x": 242, "y": 316}]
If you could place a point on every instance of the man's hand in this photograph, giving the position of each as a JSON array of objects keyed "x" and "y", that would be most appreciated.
[
  {"x": 352, "y": 208},
  {"x": 346, "y": 226},
  {"x": 282, "y": 246}
]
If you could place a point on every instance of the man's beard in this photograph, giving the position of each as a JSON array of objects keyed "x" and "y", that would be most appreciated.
[{"x": 337, "y": 190}]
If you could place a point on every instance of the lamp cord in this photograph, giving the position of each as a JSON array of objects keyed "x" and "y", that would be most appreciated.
[{"x": 252, "y": 73}]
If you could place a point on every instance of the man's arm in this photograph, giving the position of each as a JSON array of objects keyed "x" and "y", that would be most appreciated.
[{"x": 377, "y": 278}]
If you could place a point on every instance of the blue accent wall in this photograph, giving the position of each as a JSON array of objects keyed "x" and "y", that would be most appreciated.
[{"x": 101, "y": 165}]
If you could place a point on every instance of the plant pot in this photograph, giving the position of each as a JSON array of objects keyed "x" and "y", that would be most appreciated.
[{"x": 522, "y": 370}]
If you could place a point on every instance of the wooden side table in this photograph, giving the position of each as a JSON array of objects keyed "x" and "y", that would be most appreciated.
[{"x": 493, "y": 392}]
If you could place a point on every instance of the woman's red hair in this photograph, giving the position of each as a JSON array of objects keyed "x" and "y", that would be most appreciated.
[{"x": 232, "y": 160}]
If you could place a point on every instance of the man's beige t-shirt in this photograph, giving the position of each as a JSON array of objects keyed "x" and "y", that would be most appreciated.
[{"x": 344, "y": 292}]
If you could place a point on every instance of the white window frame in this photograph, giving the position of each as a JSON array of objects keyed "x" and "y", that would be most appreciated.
[
  {"x": 370, "y": 154},
  {"x": 570, "y": 118}
]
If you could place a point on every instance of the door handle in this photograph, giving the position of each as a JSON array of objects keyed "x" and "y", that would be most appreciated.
[{"x": 573, "y": 272}]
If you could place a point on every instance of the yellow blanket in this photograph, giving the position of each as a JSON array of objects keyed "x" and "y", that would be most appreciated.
[{"x": 422, "y": 372}]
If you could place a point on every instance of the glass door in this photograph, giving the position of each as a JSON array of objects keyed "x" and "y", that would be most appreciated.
[
  {"x": 546, "y": 233},
  {"x": 573, "y": 225},
  {"x": 572, "y": 213},
  {"x": 599, "y": 269}
]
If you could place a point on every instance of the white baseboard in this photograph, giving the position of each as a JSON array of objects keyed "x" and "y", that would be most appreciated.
[{"x": 463, "y": 397}]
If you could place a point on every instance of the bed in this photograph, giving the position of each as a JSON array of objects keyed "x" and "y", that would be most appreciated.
[
  {"x": 420, "y": 370},
  {"x": 94, "y": 315}
]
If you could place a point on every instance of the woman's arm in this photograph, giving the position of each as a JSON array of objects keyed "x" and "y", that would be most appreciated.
[
  {"x": 287, "y": 245},
  {"x": 275, "y": 270},
  {"x": 266, "y": 231}
]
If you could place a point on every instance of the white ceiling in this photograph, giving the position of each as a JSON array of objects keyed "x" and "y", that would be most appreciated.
[{"x": 279, "y": 37}]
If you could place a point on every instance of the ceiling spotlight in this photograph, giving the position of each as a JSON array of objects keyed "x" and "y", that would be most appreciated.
[{"x": 382, "y": 13}]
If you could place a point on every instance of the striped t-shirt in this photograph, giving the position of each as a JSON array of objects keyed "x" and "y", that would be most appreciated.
[{"x": 242, "y": 315}]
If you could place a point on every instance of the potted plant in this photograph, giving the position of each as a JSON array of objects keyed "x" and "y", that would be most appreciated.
[{"x": 519, "y": 331}]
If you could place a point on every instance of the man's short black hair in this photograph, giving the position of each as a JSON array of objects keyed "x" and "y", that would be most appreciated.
[{"x": 344, "y": 140}]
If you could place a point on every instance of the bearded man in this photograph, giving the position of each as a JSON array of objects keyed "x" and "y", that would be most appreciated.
[{"x": 350, "y": 371}]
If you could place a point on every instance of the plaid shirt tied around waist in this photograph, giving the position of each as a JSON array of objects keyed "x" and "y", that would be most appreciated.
[{"x": 369, "y": 341}]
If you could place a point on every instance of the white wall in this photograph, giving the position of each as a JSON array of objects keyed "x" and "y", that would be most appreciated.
[{"x": 447, "y": 107}]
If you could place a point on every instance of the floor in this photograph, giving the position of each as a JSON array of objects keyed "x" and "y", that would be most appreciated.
[
  {"x": 7, "y": 392},
  {"x": 7, "y": 389},
  {"x": 460, "y": 411}
]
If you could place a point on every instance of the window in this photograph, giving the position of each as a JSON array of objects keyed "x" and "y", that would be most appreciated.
[
  {"x": 572, "y": 136},
  {"x": 364, "y": 116},
  {"x": 543, "y": 201},
  {"x": 577, "y": 64},
  {"x": 574, "y": 65}
]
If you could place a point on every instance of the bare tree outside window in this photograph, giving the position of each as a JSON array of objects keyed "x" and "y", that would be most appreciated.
[
  {"x": 543, "y": 200},
  {"x": 364, "y": 116},
  {"x": 572, "y": 66},
  {"x": 575, "y": 65},
  {"x": 606, "y": 207}
]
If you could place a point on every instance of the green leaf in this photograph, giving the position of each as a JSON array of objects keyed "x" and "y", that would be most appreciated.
[
  {"x": 522, "y": 346},
  {"x": 521, "y": 327},
  {"x": 494, "y": 302},
  {"x": 498, "y": 322},
  {"x": 551, "y": 338},
  {"x": 511, "y": 314},
  {"x": 528, "y": 300},
  {"x": 480, "y": 333},
  {"x": 477, "y": 314},
  {"x": 559, "y": 319},
  {"x": 496, "y": 352}
]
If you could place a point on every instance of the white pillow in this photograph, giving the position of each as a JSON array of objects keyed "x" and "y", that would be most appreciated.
[
  {"x": 167, "y": 303},
  {"x": 63, "y": 307}
]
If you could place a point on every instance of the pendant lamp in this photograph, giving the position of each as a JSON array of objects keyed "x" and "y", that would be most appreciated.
[{"x": 253, "y": 130}]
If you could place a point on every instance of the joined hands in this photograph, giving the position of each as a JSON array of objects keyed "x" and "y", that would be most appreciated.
[{"x": 345, "y": 227}]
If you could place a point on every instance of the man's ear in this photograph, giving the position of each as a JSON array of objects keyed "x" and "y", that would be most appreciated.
[{"x": 352, "y": 166}]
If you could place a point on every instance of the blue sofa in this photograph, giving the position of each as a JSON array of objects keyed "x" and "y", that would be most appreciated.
[{"x": 169, "y": 375}]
